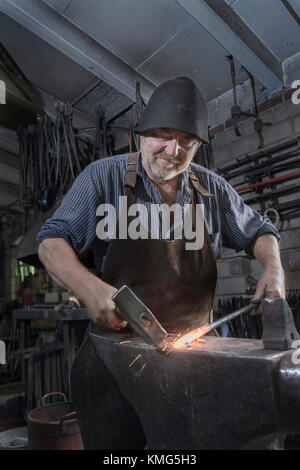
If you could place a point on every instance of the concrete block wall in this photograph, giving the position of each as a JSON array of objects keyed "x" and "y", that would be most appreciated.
[
  {"x": 233, "y": 268},
  {"x": 278, "y": 109}
]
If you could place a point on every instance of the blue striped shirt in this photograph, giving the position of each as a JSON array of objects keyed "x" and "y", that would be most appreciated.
[{"x": 230, "y": 222}]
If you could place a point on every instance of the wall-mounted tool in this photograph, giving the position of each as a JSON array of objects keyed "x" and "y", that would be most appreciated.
[
  {"x": 259, "y": 124},
  {"x": 272, "y": 214},
  {"x": 103, "y": 137},
  {"x": 50, "y": 159},
  {"x": 291, "y": 145},
  {"x": 138, "y": 108},
  {"x": 236, "y": 111}
]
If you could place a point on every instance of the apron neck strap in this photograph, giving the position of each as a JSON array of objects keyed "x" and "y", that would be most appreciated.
[
  {"x": 196, "y": 184},
  {"x": 130, "y": 178}
]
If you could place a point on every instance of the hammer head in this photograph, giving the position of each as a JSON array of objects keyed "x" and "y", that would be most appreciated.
[
  {"x": 279, "y": 330},
  {"x": 139, "y": 317}
]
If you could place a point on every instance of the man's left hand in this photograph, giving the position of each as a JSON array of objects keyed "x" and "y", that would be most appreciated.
[{"x": 270, "y": 285}]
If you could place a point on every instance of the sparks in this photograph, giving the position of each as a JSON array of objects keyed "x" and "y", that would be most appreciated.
[
  {"x": 143, "y": 367},
  {"x": 123, "y": 342},
  {"x": 189, "y": 337},
  {"x": 134, "y": 360}
]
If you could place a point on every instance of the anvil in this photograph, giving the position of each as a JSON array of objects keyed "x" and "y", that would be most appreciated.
[{"x": 226, "y": 393}]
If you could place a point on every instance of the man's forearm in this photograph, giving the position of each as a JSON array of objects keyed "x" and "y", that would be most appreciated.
[
  {"x": 58, "y": 281},
  {"x": 266, "y": 251},
  {"x": 62, "y": 264},
  {"x": 271, "y": 284}
]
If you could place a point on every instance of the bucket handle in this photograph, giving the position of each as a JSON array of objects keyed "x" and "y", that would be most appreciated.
[
  {"x": 68, "y": 415},
  {"x": 65, "y": 417},
  {"x": 51, "y": 394}
]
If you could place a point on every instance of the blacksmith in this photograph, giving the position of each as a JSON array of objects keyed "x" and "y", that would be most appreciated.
[{"x": 177, "y": 284}]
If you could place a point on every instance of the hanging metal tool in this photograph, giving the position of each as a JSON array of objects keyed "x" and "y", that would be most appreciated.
[
  {"x": 58, "y": 140},
  {"x": 138, "y": 107},
  {"x": 70, "y": 132},
  {"x": 102, "y": 139},
  {"x": 272, "y": 214},
  {"x": 236, "y": 111},
  {"x": 259, "y": 124},
  {"x": 50, "y": 159}
]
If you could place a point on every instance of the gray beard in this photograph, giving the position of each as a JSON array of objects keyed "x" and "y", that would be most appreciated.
[{"x": 163, "y": 173}]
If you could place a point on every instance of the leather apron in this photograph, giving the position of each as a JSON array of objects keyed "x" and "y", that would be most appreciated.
[{"x": 176, "y": 284}]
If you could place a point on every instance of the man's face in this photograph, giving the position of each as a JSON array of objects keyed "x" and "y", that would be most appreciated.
[{"x": 167, "y": 152}]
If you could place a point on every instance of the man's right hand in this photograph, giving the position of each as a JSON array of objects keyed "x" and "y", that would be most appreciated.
[
  {"x": 102, "y": 308},
  {"x": 63, "y": 266}
]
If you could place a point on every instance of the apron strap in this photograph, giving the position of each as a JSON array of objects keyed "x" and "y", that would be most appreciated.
[
  {"x": 196, "y": 184},
  {"x": 130, "y": 178},
  {"x": 198, "y": 188}
]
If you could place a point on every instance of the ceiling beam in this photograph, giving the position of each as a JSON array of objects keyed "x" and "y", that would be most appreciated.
[
  {"x": 242, "y": 30},
  {"x": 67, "y": 38},
  {"x": 213, "y": 16},
  {"x": 291, "y": 10}
]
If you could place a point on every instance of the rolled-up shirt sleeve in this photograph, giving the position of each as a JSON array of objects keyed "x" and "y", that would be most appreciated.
[
  {"x": 241, "y": 225},
  {"x": 75, "y": 219}
]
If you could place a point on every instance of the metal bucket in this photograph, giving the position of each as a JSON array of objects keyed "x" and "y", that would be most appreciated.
[{"x": 54, "y": 426}]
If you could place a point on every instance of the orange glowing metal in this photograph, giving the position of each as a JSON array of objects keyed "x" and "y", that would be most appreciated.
[{"x": 191, "y": 336}]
